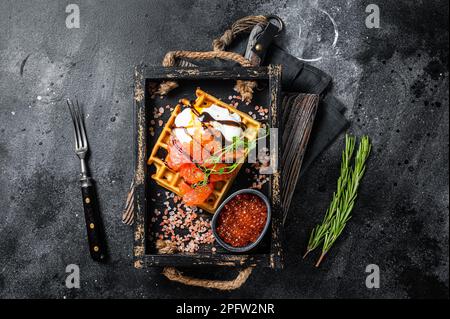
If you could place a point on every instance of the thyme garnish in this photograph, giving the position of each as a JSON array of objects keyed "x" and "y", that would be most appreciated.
[{"x": 339, "y": 211}]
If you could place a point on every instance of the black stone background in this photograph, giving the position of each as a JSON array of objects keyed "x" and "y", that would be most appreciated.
[{"x": 393, "y": 81}]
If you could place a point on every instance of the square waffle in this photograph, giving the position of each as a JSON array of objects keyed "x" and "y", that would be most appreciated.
[{"x": 170, "y": 179}]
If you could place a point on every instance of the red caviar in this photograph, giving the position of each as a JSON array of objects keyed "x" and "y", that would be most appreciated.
[{"x": 242, "y": 220}]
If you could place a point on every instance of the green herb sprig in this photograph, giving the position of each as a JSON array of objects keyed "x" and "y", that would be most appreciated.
[
  {"x": 341, "y": 206},
  {"x": 237, "y": 143}
]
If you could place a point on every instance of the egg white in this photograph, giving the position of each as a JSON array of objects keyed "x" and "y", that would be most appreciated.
[
  {"x": 188, "y": 119},
  {"x": 222, "y": 114}
]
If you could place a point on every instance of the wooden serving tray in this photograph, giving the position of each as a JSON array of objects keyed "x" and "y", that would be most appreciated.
[{"x": 151, "y": 197}]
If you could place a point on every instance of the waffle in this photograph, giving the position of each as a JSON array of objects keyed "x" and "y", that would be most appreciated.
[{"x": 170, "y": 179}]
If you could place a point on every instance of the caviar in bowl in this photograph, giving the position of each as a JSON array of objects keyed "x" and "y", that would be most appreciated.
[{"x": 242, "y": 220}]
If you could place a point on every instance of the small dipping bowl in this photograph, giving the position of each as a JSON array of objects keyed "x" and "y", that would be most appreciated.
[{"x": 219, "y": 210}]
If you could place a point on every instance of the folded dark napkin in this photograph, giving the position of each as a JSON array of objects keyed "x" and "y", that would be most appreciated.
[{"x": 300, "y": 77}]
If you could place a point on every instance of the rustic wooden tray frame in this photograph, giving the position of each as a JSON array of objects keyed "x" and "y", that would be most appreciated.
[{"x": 272, "y": 74}]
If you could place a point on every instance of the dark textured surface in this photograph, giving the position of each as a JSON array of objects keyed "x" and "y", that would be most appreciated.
[{"x": 393, "y": 80}]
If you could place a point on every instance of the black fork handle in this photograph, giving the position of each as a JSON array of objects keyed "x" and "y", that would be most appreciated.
[{"x": 94, "y": 226}]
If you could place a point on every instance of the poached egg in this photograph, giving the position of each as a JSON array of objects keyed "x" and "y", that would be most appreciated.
[{"x": 188, "y": 124}]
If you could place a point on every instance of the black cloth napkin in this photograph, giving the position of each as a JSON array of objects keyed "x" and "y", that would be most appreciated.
[{"x": 300, "y": 77}]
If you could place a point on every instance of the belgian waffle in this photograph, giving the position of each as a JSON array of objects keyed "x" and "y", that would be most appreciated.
[{"x": 170, "y": 179}]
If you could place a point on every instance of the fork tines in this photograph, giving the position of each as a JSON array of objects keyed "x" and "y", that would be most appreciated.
[{"x": 81, "y": 144}]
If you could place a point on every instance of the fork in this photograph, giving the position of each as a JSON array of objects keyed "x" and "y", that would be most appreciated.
[{"x": 95, "y": 233}]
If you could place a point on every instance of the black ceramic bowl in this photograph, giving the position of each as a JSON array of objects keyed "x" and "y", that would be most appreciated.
[{"x": 219, "y": 210}]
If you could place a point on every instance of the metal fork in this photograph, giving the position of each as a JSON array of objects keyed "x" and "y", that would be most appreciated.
[{"x": 95, "y": 233}]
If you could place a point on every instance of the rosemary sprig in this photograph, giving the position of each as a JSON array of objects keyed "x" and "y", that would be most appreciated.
[
  {"x": 318, "y": 233},
  {"x": 338, "y": 213}
]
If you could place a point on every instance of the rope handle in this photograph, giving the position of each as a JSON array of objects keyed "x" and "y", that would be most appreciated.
[
  {"x": 175, "y": 275},
  {"x": 169, "y": 247},
  {"x": 243, "y": 25},
  {"x": 245, "y": 88},
  {"x": 170, "y": 57}
]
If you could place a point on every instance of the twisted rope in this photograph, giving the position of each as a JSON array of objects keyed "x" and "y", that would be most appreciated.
[
  {"x": 175, "y": 275},
  {"x": 170, "y": 57},
  {"x": 168, "y": 247},
  {"x": 243, "y": 25},
  {"x": 245, "y": 88}
]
